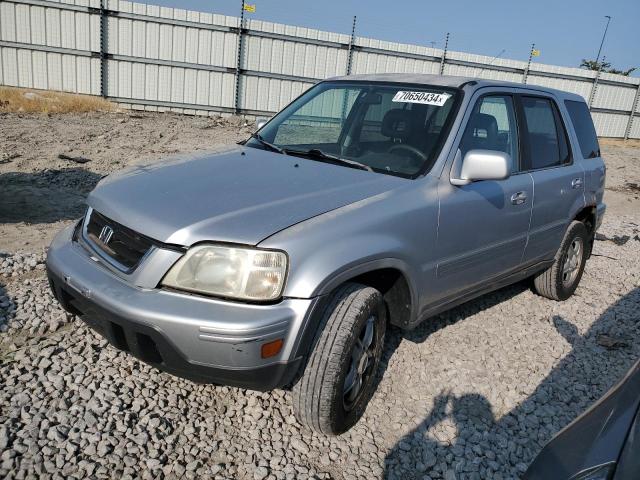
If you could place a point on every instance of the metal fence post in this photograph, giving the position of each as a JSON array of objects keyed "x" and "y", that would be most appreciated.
[
  {"x": 444, "y": 54},
  {"x": 352, "y": 41},
  {"x": 634, "y": 105},
  {"x": 236, "y": 103},
  {"x": 592, "y": 96},
  {"x": 104, "y": 29},
  {"x": 526, "y": 70}
]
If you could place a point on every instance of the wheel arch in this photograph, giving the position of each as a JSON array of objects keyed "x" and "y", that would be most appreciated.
[
  {"x": 395, "y": 290},
  {"x": 391, "y": 277},
  {"x": 588, "y": 216}
]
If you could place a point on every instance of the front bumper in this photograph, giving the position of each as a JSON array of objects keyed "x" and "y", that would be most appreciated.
[{"x": 194, "y": 337}]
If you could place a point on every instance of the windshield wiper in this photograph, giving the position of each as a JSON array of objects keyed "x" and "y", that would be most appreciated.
[
  {"x": 317, "y": 153},
  {"x": 314, "y": 153},
  {"x": 270, "y": 146}
]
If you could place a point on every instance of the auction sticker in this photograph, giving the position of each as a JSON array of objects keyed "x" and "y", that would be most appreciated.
[{"x": 426, "y": 98}]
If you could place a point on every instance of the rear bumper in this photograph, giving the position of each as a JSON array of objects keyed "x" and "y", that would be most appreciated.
[{"x": 197, "y": 338}]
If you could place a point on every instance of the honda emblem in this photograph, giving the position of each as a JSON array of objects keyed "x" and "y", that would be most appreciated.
[{"x": 105, "y": 234}]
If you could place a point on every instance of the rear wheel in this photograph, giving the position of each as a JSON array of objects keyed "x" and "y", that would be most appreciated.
[
  {"x": 339, "y": 378},
  {"x": 561, "y": 279}
]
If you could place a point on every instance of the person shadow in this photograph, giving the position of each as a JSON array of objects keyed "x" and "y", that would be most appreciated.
[{"x": 461, "y": 438}]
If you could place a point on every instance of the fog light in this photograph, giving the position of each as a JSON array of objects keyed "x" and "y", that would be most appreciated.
[{"x": 272, "y": 348}]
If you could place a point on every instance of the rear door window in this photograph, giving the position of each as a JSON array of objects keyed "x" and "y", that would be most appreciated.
[
  {"x": 546, "y": 137},
  {"x": 585, "y": 131}
]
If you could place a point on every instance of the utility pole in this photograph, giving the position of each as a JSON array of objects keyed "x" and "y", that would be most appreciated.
[{"x": 603, "y": 36}]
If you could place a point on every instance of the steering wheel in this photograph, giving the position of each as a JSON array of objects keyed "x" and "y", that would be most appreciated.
[{"x": 408, "y": 148}]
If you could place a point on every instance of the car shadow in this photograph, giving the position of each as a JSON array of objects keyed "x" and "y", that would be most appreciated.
[
  {"x": 395, "y": 335},
  {"x": 467, "y": 309},
  {"x": 46, "y": 196},
  {"x": 480, "y": 449}
]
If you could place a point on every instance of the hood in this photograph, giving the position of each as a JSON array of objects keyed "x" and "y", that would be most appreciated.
[{"x": 242, "y": 195}]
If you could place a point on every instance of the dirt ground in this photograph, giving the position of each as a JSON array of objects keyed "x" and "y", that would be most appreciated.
[{"x": 40, "y": 192}]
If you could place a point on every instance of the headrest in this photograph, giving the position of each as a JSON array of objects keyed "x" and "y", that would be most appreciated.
[
  {"x": 483, "y": 121},
  {"x": 397, "y": 123}
]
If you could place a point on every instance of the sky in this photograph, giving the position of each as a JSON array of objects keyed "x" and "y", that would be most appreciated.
[{"x": 565, "y": 31}]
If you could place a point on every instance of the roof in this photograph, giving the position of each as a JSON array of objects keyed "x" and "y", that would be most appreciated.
[
  {"x": 450, "y": 81},
  {"x": 423, "y": 78}
]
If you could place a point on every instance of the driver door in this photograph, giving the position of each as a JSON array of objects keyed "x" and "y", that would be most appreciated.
[{"x": 483, "y": 225}]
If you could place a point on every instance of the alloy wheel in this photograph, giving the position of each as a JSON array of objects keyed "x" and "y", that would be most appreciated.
[
  {"x": 361, "y": 367},
  {"x": 572, "y": 262}
]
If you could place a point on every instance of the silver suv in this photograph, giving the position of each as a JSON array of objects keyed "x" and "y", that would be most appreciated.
[{"x": 369, "y": 200}]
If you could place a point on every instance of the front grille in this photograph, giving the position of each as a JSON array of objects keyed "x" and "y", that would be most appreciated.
[{"x": 124, "y": 246}]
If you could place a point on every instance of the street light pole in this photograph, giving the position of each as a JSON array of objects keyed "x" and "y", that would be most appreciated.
[
  {"x": 497, "y": 56},
  {"x": 603, "y": 36}
]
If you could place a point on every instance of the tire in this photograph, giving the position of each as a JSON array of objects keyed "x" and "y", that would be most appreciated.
[
  {"x": 325, "y": 398},
  {"x": 556, "y": 283}
]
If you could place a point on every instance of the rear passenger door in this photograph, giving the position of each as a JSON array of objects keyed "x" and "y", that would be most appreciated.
[{"x": 558, "y": 180}]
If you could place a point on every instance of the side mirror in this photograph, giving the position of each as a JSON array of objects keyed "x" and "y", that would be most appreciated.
[
  {"x": 261, "y": 122},
  {"x": 483, "y": 165}
]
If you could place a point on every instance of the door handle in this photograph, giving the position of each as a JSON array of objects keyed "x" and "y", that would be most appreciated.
[
  {"x": 519, "y": 198},
  {"x": 576, "y": 183}
]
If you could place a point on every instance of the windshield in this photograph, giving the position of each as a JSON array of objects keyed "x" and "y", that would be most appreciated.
[{"x": 388, "y": 128}]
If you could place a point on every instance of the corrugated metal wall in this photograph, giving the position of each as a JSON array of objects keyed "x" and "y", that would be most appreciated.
[{"x": 161, "y": 58}]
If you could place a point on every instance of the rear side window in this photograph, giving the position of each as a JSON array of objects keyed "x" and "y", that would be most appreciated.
[
  {"x": 547, "y": 139},
  {"x": 583, "y": 125}
]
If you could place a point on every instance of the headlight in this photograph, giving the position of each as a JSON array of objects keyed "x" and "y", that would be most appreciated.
[{"x": 233, "y": 272}]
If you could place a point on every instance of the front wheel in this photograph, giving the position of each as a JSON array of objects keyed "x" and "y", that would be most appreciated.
[
  {"x": 339, "y": 378},
  {"x": 561, "y": 279}
]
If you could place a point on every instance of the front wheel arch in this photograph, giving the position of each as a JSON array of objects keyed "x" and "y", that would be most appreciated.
[
  {"x": 391, "y": 277},
  {"x": 391, "y": 282}
]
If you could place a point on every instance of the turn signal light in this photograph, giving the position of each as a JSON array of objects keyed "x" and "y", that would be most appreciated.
[{"x": 271, "y": 349}]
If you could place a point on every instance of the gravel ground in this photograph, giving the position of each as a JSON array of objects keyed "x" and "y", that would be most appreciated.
[{"x": 474, "y": 393}]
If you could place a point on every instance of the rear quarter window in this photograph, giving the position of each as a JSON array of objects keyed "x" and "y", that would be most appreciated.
[{"x": 583, "y": 126}]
